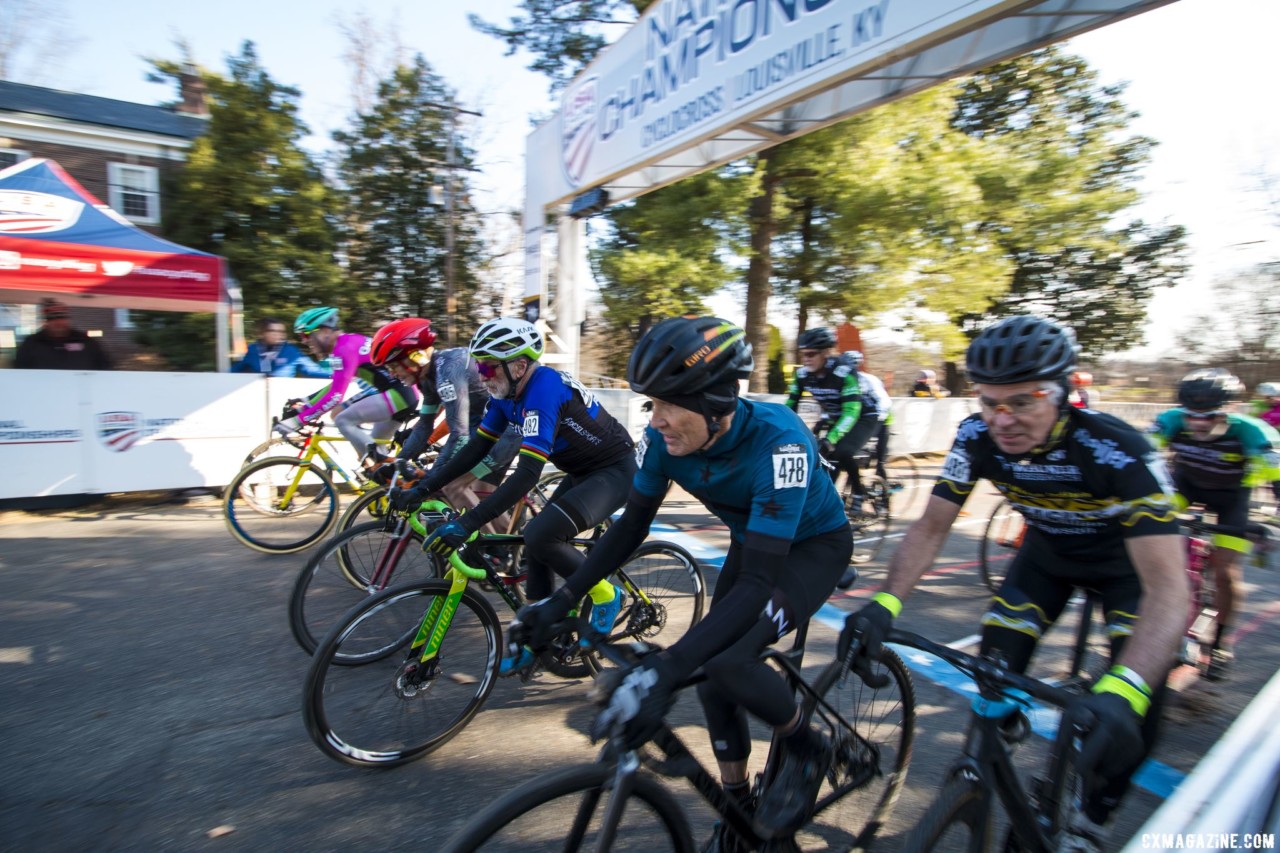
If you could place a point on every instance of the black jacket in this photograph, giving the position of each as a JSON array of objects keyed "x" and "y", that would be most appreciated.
[{"x": 77, "y": 351}]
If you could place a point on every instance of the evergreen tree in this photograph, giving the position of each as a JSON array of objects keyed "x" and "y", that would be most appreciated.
[
  {"x": 251, "y": 194},
  {"x": 394, "y": 166}
]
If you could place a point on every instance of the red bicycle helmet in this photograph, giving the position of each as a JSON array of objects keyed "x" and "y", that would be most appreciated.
[{"x": 400, "y": 337}]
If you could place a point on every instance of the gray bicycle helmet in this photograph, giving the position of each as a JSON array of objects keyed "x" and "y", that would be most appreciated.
[
  {"x": 1021, "y": 349},
  {"x": 819, "y": 338},
  {"x": 1207, "y": 389}
]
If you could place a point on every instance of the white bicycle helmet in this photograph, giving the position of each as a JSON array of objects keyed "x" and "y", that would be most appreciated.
[
  {"x": 504, "y": 339},
  {"x": 1269, "y": 389}
]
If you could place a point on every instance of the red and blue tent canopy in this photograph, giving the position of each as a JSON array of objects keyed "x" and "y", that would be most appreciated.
[{"x": 56, "y": 239}]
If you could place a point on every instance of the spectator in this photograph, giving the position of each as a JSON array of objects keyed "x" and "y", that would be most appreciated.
[
  {"x": 57, "y": 346},
  {"x": 273, "y": 355},
  {"x": 926, "y": 385}
]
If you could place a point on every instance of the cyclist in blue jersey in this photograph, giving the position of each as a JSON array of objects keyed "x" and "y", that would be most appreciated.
[
  {"x": 562, "y": 423},
  {"x": 1100, "y": 514},
  {"x": 756, "y": 467},
  {"x": 446, "y": 379},
  {"x": 1218, "y": 457}
]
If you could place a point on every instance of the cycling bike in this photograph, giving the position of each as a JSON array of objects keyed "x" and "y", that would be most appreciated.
[
  {"x": 371, "y": 556},
  {"x": 871, "y": 513},
  {"x": 962, "y": 816},
  {"x": 619, "y": 803},
  {"x": 286, "y": 504},
  {"x": 405, "y": 669}
]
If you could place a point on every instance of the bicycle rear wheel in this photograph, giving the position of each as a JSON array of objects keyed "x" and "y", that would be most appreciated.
[
  {"x": 869, "y": 517},
  {"x": 1000, "y": 541},
  {"x": 906, "y": 485},
  {"x": 956, "y": 820},
  {"x": 280, "y": 505},
  {"x": 665, "y": 593},
  {"x": 352, "y": 565},
  {"x": 369, "y": 505},
  {"x": 873, "y": 738},
  {"x": 563, "y": 811},
  {"x": 392, "y": 708}
]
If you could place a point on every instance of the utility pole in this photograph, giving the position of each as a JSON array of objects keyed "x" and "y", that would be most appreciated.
[{"x": 450, "y": 167}]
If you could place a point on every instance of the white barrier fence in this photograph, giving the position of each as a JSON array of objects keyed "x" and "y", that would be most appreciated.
[{"x": 71, "y": 433}]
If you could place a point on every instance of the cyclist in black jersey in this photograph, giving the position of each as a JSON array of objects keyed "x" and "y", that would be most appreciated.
[
  {"x": 1100, "y": 516},
  {"x": 751, "y": 464},
  {"x": 562, "y": 423},
  {"x": 849, "y": 413}
]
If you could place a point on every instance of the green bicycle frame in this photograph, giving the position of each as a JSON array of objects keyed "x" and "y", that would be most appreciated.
[{"x": 436, "y": 621}]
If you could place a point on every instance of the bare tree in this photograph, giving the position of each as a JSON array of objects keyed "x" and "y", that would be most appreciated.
[
  {"x": 373, "y": 51},
  {"x": 32, "y": 35}
]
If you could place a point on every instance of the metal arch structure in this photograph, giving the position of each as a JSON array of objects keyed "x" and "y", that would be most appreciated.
[{"x": 695, "y": 84}]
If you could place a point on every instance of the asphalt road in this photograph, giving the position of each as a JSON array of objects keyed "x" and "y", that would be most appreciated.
[{"x": 151, "y": 693}]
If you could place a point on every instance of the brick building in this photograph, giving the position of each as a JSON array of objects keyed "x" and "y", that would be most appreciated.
[{"x": 122, "y": 153}]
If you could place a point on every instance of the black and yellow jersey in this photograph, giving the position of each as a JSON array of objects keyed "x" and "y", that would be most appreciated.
[{"x": 1094, "y": 483}]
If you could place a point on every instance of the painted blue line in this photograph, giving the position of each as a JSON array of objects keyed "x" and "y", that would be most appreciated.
[{"x": 1157, "y": 777}]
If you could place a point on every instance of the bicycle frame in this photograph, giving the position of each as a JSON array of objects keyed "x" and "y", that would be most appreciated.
[{"x": 986, "y": 757}]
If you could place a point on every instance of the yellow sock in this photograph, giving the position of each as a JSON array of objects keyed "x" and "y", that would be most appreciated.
[{"x": 602, "y": 593}]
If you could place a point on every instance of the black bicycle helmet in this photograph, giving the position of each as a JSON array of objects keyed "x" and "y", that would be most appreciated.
[
  {"x": 819, "y": 338},
  {"x": 689, "y": 355},
  {"x": 1207, "y": 389},
  {"x": 1021, "y": 349}
]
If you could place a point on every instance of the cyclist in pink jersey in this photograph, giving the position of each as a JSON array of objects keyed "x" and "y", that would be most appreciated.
[{"x": 386, "y": 402}]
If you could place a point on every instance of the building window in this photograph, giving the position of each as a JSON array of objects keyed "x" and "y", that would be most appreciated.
[
  {"x": 135, "y": 192},
  {"x": 123, "y": 318},
  {"x": 11, "y": 156}
]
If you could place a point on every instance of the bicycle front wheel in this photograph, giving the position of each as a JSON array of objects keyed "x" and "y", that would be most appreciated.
[
  {"x": 872, "y": 730},
  {"x": 665, "y": 593},
  {"x": 869, "y": 517},
  {"x": 957, "y": 820},
  {"x": 279, "y": 505},
  {"x": 394, "y": 708},
  {"x": 352, "y": 565},
  {"x": 563, "y": 811},
  {"x": 1000, "y": 541}
]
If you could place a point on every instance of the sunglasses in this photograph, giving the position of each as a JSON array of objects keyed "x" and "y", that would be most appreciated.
[
  {"x": 1017, "y": 405},
  {"x": 808, "y": 353},
  {"x": 488, "y": 369},
  {"x": 1201, "y": 416}
]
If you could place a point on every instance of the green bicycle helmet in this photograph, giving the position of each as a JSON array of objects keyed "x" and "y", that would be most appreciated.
[{"x": 315, "y": 318}]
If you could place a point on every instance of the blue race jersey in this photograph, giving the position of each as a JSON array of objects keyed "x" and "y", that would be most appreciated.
[
  {"x": 562, "y": 422},
  {"x": 762, "y": 478}
]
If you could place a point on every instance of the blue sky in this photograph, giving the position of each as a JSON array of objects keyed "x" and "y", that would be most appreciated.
[{"x": 1198, "y": 71}]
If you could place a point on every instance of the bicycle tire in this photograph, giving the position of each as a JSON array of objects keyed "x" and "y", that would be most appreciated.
[
  {"x": 256, "y": 517},
  {"x": 960, "y": 807},
  {"x": 372, "y": 715},
  {"x": 277, "y": 445},
  {"x": 906, "y": 485},
  {"x": 369, "y": 505},
  {"x": 341, "y": 573},
  {"x": 1001, "y": 538},
  {"x": 871, "y": 762},
  {"x": 673, "y": 581},
  {"x": 869, "y": 531},
  {"x": 542, "y": 814}
]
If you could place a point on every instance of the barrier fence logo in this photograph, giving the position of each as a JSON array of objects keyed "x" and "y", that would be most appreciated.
[{"x": 119, "y": 431}]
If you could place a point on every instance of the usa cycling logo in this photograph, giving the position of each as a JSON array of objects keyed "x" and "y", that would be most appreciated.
[
  {"x": 119, "y": 431},
  {"x": 578, "y": 129},
  {"x": 23, "y": 212}
]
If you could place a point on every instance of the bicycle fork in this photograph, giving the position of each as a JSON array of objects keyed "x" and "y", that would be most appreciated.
[{"x": 422, "y": 663}]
